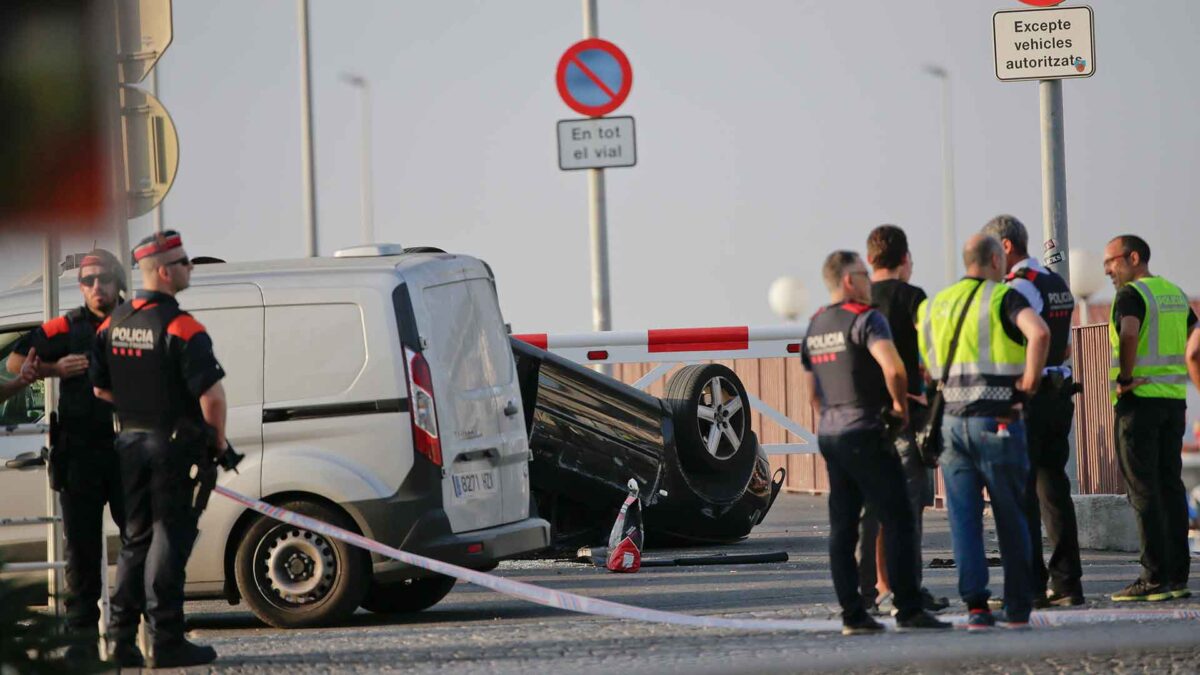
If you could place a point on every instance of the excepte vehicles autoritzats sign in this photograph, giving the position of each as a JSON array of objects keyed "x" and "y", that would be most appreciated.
[
  {"x": 1043, "y": 44},
  {"x": 594, "y": 77}
]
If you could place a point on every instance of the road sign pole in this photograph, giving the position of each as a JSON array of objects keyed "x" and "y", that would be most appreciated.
[
  {"x": 597, "y": 218},
  {"x": 1054, "y": 179},
  {"x": 57, "y": 588},
  {"x": 158, "y": 210}
]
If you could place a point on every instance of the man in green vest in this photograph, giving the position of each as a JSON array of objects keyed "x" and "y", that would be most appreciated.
[
  {"x": 982, "y": 384},
  {"x": 1155, "y": 347}
]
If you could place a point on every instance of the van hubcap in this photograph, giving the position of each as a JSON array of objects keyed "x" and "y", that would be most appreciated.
[{"x": 298, "y": 566}]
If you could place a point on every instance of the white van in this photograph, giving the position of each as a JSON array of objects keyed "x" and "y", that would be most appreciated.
[{"x": 375, "y": 390}]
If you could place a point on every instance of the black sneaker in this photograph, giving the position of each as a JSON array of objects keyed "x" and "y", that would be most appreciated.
[
  {"x": 1057, "y": 599},
  {"x": 922, "y": 620},
  {"x": 980, "y": 620},
  {"x": 181, "y": 654},
  {"x": 1143, "y": 591},
  {"x": 126, "y": 655},
  {"x": 863, "y": 625},
  {"x": 932, "y": 604},
  {"x": 1180, "y": 591},
  {"x": 1011, "y": 623}
]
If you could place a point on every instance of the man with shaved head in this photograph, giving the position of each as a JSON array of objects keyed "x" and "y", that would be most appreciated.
[{"x": 996, "y": 364}]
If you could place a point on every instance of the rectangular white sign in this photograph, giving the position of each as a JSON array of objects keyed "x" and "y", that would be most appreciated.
[
  {"x": 1044, "y": 44},
  {"x": 598, "y": 143}
]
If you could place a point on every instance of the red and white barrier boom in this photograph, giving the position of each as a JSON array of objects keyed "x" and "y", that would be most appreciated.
[{"x": 668, "y": 347}]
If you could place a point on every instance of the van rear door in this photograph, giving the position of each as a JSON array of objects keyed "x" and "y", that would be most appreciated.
[{"x": 485, "y": 452}]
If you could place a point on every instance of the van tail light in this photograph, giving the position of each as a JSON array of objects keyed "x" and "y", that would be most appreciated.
[{"x": 423, "y": 408}]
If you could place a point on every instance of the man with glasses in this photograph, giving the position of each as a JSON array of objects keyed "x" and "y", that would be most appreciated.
[
  {"x": 83, "y": 464},
  {"x": 857, "y": 384},
  {"x": 1155, "y": 348},
  {"x": 155, "y": 363}
]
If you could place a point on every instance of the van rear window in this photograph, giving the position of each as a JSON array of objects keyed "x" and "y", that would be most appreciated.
[{"x": 468, "y": 334}]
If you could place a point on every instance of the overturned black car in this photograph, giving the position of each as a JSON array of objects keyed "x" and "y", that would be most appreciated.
[{"x": 702, "y": 474}]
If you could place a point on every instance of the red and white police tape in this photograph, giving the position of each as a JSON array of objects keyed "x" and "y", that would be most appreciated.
[{"x": 585, "y": 605}]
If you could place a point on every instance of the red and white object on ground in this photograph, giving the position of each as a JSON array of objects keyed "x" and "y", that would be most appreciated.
[
  {"x": 670, "y": 346},
  {"x": 626, "y": 539}
]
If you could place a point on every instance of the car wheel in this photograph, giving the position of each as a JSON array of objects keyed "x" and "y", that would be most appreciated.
[
  {"x": 293, "y": 578},
  {"x": 712, "y": 416},
  {"x": 410, "y": 595}
]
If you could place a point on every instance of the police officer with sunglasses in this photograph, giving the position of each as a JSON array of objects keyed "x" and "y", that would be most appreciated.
[
  {"x": 83, "y": 464},
  {"x": 156, "y": 364}
]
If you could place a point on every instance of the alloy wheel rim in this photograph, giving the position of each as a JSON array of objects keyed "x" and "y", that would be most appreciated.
[{"x": 721, "y": 418}]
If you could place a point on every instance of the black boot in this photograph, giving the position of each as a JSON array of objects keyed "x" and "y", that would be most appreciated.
[
  {"x": 180, "y": 654},
  {"x": 83, "y": 654},
  {"x": 125, "y": 653}
]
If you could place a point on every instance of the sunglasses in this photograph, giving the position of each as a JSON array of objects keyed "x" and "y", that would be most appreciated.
[
  {"x": 104, "y": 279},
  {"x": 183, "y": 262}
]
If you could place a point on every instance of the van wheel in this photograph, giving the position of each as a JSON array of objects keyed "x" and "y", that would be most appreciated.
[
  {"x": 293, "y": 578},
  {"x": 410, "y": 595},
  {"x": 712, "y": 416}
]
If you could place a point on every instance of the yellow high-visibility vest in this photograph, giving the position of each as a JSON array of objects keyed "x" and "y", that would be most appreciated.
[
  {"x": 1162, "y": 341},
  {"x": 987, "y": 362}
]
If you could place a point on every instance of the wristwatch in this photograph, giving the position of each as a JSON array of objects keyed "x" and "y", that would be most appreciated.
[{"x": 1125, "y": 381}]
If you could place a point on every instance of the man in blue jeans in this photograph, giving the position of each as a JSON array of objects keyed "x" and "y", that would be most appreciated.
[{"x": 996, "y": 363}]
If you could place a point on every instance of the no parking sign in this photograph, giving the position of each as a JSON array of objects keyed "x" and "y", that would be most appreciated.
[{"x": 594, "y": 77}]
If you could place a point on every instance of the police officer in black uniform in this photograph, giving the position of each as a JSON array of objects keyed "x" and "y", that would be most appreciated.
[
  {"x": 156, "y": 364},
  {"x": 1048, "y": 423},
  {"x": 858, "y": 383},
  {"x": 83, "y": 465}
]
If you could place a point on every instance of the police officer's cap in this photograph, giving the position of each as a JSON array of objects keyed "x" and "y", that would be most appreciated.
[
  {"x": 102, "y": 258},
  {"x": 157, "y": 243}
]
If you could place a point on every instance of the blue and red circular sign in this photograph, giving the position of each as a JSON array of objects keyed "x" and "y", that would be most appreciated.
[{"x": 594, "y": 77}]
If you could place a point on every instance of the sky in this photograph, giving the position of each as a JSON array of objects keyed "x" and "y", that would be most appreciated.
[{"x": 769, "y": 133}]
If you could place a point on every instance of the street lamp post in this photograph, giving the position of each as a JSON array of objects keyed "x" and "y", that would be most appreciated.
[
  {"x": 307, "y": 163},
  {"x": 948, "y": 231},
  {"x": 364, "y": 90}
]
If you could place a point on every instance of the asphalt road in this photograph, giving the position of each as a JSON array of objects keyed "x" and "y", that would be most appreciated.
[{"x": 477, "y": 631}]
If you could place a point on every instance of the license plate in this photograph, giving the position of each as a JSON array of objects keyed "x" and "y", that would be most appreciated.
[{"x": 473, "y": 485}]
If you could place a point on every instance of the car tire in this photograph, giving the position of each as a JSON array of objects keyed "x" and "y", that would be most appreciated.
[
  {"x": 293, "y": 578},
  {"x": 410, "y": 595},
  {"x": 711, "y": 411}
]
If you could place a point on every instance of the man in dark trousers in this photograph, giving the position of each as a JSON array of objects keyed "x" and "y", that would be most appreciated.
[
  {"x": 895, "y": 298},
  {"x": 857, "y": 384},
  {"x": 156, "y": 364},
  {"x": 83, "y": 465},
  {"x": 1155, "y": 348},
  {"x": 1047, "y": 424}
]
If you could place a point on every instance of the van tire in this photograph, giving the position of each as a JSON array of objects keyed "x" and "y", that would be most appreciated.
[
  {"x": 410, "y": 595},
  {"x": 331, "y": 576},
  {"x": 688, "y": 392}
]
